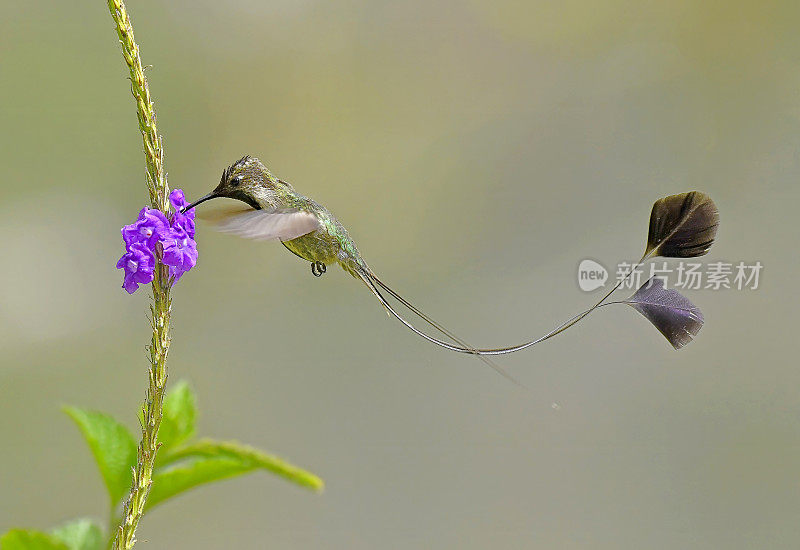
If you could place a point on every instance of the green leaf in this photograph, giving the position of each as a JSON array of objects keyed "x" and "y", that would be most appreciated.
[
  {"x": 180, "y": 414},
  {"x": 182, "y": 477},
  {"x": 207, "y": 461},
  {"x": 80, "y": 534},
  {"x": 113, "y": 448},
  {"x": 26, "y": 539},
  {"x": 247, "y": 455}
]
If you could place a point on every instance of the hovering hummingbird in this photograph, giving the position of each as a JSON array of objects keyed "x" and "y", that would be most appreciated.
[{"x": 680, "y": 226}]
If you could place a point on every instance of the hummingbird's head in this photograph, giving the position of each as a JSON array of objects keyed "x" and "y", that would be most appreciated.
[{"x": 247, "y": 180}]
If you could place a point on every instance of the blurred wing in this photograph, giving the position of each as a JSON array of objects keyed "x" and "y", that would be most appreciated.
[
  {"x": 267, "y": 224},
  {"x": 216, "y": 214}
]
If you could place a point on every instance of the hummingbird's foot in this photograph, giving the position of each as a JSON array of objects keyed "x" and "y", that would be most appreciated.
[{"x": 317, "y": 269}]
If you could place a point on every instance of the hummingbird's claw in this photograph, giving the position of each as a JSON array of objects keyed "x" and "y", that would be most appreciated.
[{"x": 317, "y": 269}]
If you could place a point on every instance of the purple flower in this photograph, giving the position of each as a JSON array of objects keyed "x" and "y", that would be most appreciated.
[
  {"x": 183, "y": 221},
  {"x": 148, "y": 228},
  {"x": 152, "y": 236},
  {"x": 180, "y": 252},
  {"x": 177, "y": 199},
  {"x": 138, "y": 263}
]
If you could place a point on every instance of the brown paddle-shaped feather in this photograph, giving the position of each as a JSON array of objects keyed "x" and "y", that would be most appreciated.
[{"x": 682, "y": 226}]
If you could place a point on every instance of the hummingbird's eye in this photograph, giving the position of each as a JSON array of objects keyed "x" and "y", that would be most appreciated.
[{"x": 236, "y": 180}]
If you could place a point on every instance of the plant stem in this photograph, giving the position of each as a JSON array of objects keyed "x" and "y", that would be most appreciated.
[{"x": 133, "y": 505}]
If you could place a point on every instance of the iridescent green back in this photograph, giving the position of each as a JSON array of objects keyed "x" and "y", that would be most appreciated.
[{"x": 330, "y": 244}]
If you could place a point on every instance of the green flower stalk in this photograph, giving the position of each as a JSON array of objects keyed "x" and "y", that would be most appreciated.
[
  {"x": 134, "y": 504},
  {"x": 153, "y": 148}
]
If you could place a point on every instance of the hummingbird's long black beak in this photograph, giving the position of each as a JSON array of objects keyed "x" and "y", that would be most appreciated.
[{"x": 208, "y": 197}]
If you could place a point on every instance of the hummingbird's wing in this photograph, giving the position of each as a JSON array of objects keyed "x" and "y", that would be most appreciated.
[{"x": 267, "y": 224}]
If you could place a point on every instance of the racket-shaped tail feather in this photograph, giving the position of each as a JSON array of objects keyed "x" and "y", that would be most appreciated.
[{"x": 677, "y": 318}]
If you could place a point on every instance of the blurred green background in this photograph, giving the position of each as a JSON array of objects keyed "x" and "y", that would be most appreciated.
[{"x": 476, "y": 151}]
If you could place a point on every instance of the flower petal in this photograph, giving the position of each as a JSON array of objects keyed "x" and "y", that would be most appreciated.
[
  {"x": 129, "y": 284},
  {"x": 123, "y": 261}
]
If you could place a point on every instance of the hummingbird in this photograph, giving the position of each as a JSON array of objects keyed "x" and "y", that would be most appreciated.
[
  {"x": 276, "y": 211},
  {"x": 681, "y": 226}
]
